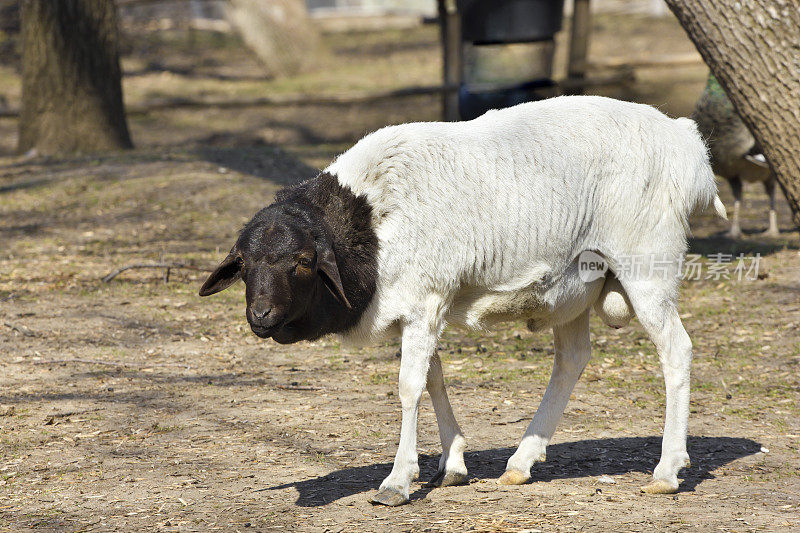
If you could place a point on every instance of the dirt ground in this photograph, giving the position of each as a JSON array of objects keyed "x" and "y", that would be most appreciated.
[{"x": 135, "y": 405}]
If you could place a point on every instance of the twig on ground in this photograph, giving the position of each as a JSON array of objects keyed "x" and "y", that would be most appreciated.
[
  {"x": 22, "y": 330},
  {"x": 107, "y": 363},
  {"x": 167, "y": 266},
  {"x": 296, "y": 387},
  {"x": 65, "y": 414},
  {"x": 508, "y": 422},
  {"x": 51, "y": 419}
]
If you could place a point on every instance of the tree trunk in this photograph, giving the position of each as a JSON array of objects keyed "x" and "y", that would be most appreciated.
[
  {"x": 753, "y": 49},
  {"x": 71, "y": 86},
  {"x": 279, "y": 32}
]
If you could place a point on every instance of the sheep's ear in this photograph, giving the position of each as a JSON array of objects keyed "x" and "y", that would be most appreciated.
[
  {"x": 329, "y": 271},
  {"x": 228, "y": 272}
]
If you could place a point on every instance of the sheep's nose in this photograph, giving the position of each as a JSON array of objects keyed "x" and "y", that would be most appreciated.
[{"x": 260, "y": 313}]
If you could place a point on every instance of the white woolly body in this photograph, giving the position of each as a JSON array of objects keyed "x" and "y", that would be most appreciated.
[{"x": 483, "y": 220}]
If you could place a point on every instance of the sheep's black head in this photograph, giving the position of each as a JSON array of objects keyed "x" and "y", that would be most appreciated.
[{"x": 288, "y": 265}]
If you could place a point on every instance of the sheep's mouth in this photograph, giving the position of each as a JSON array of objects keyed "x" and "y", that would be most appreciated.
[
  {"x": 266, "y": 333},
  {"x": 283, "y": 332}
]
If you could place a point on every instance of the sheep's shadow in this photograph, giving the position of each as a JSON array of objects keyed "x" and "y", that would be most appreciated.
[{"x": 578, "y": 459}]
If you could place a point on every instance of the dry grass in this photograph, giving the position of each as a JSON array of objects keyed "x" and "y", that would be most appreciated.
[{"x": 185, "y": 421}]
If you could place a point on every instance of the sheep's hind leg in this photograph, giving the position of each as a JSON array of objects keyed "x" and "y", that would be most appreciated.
[
  {"x": 452, "y": 470},
  {"x": 418, "y": 345},
  {"x": 657, "y": 312},
  {"x": 572, "y": 351}
]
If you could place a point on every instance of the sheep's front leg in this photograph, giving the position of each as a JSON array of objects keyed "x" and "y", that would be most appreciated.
[
  {"x": 572, "y": 351},
  {"x": 452, "y": 470},
  {"x": 418, "y": 345}
]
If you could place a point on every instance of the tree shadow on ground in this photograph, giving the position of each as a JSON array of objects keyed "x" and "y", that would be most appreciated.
[
  {"x": 249, "y": 154},
  {"x": 192, "y": 72},
  {"x": 567, "y": 460},
  {"x": 243, "y": 152},
  {"x": 750, "y": 245}
]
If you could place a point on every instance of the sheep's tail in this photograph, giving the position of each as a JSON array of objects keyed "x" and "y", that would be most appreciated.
[
  {"x": 719, "y": 208},
  {"x": 696, "y": 185}
]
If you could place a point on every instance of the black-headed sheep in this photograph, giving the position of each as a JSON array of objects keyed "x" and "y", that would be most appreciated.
[{"x": 422, "y": 225}]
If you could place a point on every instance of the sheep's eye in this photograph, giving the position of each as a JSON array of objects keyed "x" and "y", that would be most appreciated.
[{"x": 304, "y": 261}]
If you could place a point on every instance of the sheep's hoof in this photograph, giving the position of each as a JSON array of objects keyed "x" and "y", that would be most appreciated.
[
  {"x": 388, "y": 496},
  {"x": 659, "y": 486},
  {"x": 452, "y": 479},
  {"x": 734, "y": 234},
  {"x": 513, "y": 477},
  {"x": 447, "y": 479}
]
